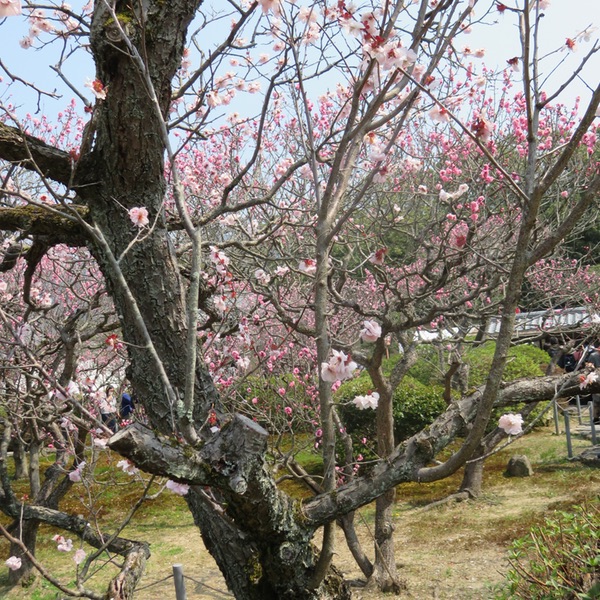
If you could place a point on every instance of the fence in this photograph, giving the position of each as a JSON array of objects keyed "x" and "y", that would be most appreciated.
[
  {"x": 179, "y": 579},
  {"x": 582, "y": 414}
]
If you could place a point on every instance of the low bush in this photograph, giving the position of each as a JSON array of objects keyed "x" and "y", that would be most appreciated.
[
  {"x": 525, "y": 360},
  {"x": 415, "y": 407},
  {"x": 558, "y": 560}
]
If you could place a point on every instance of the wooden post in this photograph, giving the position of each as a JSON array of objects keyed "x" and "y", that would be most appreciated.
[
  {"x": 592, "y": 424},
  {"x": 568, "y": 432},
  {"x": 555, "y": 413},
  {"x": 179, "y": 582}
]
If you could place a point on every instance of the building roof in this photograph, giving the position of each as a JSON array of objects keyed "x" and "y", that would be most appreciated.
[{"x": 558, "y": 319}]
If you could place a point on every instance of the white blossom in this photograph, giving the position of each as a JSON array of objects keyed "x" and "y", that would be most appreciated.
[
  {"x": 511, "y": 423},
  {"x": 368, "y": 401}
]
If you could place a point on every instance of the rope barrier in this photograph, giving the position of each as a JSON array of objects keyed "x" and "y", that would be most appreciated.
[
  {"x": 212, "y": 589},
  {"x": 149, "y": 585}
]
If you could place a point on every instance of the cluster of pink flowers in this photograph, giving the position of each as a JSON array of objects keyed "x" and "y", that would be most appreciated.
[
  {"x": 62, "y": 544},
  {"x": 66, "y": 545},
  {"x": 220, "y": 260}
]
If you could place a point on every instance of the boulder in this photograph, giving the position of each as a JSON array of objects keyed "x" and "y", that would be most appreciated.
[{"x": 518, "y": 466}]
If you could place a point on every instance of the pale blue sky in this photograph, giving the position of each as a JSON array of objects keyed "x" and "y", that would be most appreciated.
[{"x": 564, "y": 18}]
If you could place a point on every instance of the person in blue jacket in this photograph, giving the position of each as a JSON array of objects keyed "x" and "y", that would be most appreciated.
[{"x": 127, "y": 406}]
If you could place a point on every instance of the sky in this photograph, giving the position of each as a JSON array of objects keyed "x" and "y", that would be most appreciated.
[{"x": 563, "y": 19}]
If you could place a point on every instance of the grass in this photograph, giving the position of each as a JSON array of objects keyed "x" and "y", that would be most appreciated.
[{"x": 506, "y": 510}]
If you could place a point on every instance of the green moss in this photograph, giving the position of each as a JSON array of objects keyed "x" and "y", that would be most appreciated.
[{"x": 254, "y": 569}]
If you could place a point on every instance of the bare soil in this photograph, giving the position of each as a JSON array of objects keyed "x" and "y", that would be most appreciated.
[{"x": 454, "y": 552}]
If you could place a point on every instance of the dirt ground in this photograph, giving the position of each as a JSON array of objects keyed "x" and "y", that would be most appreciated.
[
  {"x": 450, "y": 553},
  {"x": 453, "y": 552}
]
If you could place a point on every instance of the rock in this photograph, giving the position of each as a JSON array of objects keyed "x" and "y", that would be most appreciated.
[
  {"x": 518, "y": 466},
  {"x": 591, "y": 457}
]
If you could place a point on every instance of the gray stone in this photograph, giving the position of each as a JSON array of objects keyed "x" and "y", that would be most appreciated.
[{"x": 518, "y": 466}]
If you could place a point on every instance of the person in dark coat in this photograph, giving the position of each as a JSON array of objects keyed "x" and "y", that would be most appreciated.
[
  {"x": 593, "y": 360},
  {"x": 127, "y": 406}
]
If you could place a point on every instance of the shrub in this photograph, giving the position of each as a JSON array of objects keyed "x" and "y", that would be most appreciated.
[
  {"x": 525, "y": 360},
  {"x": 415, "y": 407},
  {"x": 558, "y": 560}
]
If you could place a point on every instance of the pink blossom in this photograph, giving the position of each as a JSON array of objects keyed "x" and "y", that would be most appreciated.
[
  {"x": 308, "y": 266},
  {"x": 439, "y": 114},
  {"x": 482, "y": 129},
  {"x": 270, "y": 5},
  {"x": 10, "y": 8},
  {"x": 213, "y": 99},
  {"x": 590, "y": 378},
  {"x": 75, "y": 475},
  {"x": 79, "y": 556},
  {"x": 370, "y": 332},
  {"x": 262, "y": 276},
  {"x": 281, "y": 271},
  {"x": 378, "y": 257},
  {"x": 26, "y": 42},
  {"x": 288, "y": 410},
  {"x": 513, "y": 63},
  {"x": 62, "y": 544},
  {"x": 127, "y": 467},
  {"x": 220, "y": 303},
  {"x": 181, "y": 489},
  {"x": 13, "y": 563},
  {"x": 219, "y": 258},
  {"x": 511, "y": 423},
  {"x": 139, "y": 216},
  {"x": 97, "y": 88},
  {"x": 242, "y": 363}
]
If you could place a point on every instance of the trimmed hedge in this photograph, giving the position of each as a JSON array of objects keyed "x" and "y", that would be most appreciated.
[{"x": 415, "y": 407}]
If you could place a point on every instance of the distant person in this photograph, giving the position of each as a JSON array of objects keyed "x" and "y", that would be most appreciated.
[
  {"x": 108, "y": 408},
  {"x": 127, "y": 406},
  {"x": 593, "y": 360}
]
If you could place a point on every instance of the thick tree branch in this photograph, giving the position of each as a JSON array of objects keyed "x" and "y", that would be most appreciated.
[
  {"x": 32, "y": 153},
  {"x": 417, "y": 452},
  {"x": 226, "y": 460},
  {"x": 36, "y": 220}
]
